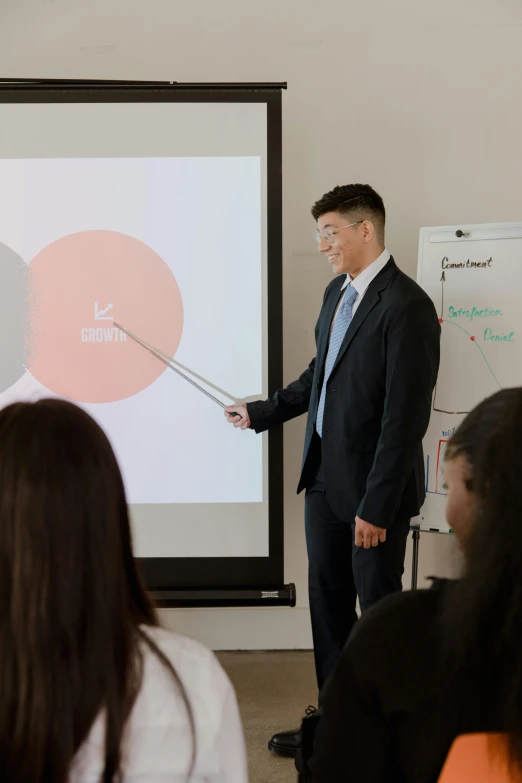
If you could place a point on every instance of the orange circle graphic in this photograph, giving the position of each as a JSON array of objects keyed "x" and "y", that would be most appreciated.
[{"x": 80, "y": 284}]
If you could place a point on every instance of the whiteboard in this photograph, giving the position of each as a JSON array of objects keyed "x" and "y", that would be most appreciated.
[{"x": 473, "y": 274}]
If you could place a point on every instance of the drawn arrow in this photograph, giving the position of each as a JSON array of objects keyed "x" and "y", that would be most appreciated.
[{"x": 442, "y": 280}]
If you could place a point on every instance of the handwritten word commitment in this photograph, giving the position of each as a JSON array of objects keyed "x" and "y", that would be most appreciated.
[
  {"x": 473, "y": 313},
  {"x": 447, "y": 264}
]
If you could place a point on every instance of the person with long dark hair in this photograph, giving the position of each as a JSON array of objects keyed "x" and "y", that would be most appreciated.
[
  {"x": 91, "y": 689},
  {"x": 424, "y": 667}
]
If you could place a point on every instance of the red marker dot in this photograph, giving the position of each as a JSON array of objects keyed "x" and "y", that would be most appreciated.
[
  {"x": 441, "y": 320},
  {"x": 472, "y": 338}
]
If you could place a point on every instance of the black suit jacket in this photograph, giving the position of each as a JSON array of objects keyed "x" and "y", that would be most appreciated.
[{"x": 378, "y": 400}]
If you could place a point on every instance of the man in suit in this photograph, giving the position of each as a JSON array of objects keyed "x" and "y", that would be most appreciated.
[{"x": 368, "y": 394}]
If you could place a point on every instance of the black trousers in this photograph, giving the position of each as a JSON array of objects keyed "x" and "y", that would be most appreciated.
[{"x": 339, "y": 572}]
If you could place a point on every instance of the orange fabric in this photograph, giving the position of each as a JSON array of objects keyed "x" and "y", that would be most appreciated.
[{"x": 478, "y": 758}]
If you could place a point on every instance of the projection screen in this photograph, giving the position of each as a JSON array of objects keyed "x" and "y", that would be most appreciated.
[{"x": 157, "y": 209}]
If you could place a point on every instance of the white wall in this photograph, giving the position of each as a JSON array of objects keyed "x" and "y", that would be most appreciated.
[{"x": 421, "y": 100}]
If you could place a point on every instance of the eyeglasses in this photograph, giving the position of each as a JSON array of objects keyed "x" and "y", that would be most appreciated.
[{"x": 328, "y": 233}]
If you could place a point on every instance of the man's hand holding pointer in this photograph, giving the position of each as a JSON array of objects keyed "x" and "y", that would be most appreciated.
[{"x": 242, "y": 419}]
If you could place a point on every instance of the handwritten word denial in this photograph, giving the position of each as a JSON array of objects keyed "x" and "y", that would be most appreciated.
[{"x": 498, "y": 338}]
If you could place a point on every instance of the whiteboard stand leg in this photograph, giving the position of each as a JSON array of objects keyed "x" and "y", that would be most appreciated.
[{"x": 415, "y": 559}]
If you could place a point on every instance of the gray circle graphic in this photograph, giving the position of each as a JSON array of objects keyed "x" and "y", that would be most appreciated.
[{"x": 14, "y": 317}]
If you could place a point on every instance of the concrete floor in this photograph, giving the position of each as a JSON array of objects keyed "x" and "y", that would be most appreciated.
[{"x": 273, "y": 690}]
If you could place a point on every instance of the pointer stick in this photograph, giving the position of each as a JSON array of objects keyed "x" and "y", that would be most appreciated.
[
  {"x": 206, "y": 383},
  {"x": 175, "y": 369}
]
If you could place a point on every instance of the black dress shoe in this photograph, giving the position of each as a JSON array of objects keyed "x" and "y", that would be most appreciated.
[
  {"x": 285, "y": 743},
  {"x": 288, "y": 743}
]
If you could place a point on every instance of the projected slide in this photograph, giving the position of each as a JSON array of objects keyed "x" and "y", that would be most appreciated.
[
  {"x": 171, "y": 249},
  {"x": 79, "y": 285}
]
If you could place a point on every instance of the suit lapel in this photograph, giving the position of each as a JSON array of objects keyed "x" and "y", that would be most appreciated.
[
  {"x": 370, "y": 299},
  {"x": 328, "y": 314}
]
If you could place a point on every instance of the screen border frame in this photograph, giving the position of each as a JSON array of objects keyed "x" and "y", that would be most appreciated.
[{"x": 209, "y": 572}]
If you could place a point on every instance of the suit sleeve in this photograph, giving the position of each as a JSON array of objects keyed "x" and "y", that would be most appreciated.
[
  {"x": 412, "y": 364},
  {"x": 286, "y": 403}
]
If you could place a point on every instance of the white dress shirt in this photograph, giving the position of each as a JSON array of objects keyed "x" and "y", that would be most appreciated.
[
  {"x": 363, "y": 280},
  {"x": 157, "y": 741}
]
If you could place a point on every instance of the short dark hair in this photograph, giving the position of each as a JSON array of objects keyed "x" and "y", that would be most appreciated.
[{"x": 362, "y": 201}]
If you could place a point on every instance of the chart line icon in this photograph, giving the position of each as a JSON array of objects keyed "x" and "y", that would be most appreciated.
[{"x": 101, "y": 315}]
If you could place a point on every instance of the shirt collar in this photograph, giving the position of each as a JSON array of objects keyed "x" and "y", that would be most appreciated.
[{"x": 363, "y": 280}]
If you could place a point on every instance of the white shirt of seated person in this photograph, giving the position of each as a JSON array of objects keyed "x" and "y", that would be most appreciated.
[{"x": 157, "y": 742}]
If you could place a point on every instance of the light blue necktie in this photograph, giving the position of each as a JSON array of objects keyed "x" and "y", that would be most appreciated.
[{"x": 341, "y": 324}]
